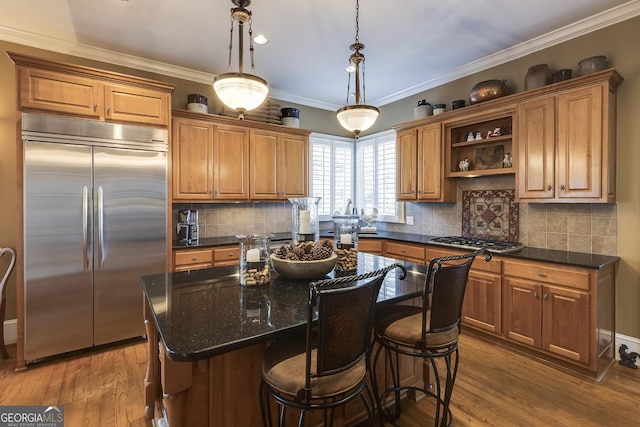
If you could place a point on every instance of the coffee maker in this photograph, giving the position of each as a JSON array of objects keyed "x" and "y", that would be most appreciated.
[{"x": 187, "y": 228}]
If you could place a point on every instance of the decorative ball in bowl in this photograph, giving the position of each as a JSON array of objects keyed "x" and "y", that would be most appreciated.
[{"x": 314, "y": 269}]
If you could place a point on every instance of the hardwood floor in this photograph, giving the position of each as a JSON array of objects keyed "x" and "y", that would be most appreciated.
[{"x": 495, "y": 387}]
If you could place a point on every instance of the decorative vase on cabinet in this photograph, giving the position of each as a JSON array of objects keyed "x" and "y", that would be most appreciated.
[{"x": 537, "y": 76}]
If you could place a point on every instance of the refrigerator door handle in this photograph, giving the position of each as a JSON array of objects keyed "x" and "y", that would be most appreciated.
[
  {"x": 100, "y": 227},
  {"x": 85, "y": 228}
]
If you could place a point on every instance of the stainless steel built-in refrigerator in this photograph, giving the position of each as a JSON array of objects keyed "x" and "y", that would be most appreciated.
[{"x": 95, "y": 221}]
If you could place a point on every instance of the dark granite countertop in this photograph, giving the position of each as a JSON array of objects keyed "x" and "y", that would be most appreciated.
[
  {"x": 204, "y": 313},
  {"x": 224, "y": 240},
  {"x": 576, "y": 259}
]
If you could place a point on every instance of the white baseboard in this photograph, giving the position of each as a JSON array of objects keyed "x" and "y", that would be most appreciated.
[
  {"x": 632, "y": 343},
  {"x": 10, "y": 331}
]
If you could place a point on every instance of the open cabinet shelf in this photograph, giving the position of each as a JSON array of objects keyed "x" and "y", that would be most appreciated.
[{"x": 474, "y": 140}]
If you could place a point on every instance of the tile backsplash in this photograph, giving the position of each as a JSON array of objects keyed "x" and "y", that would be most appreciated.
[{"x": 589, "y": 228}]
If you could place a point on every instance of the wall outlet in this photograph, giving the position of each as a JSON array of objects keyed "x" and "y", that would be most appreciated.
[{"x": 409, "y": 220}]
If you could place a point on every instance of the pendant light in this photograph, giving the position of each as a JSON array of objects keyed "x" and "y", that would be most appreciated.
[
  {"x": 239, "y": 90},
  {"x": 359, "y": 116}
]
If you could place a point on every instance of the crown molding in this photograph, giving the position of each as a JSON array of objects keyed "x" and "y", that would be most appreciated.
[{"x": 593, "y": 23}]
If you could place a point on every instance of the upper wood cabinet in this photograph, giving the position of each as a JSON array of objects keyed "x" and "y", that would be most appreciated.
[
  {"x": 278, "y": 164},
  {"x": 230, "y": 162},
  {"x": 192, "y": 159},
  {"x": 566, "y": 143},
  {"x": 70, "y": 90},
  {"x": 483, "y": 140},
  {"x": 420, "y": 160},
  {"x": 223, "y": 159}
]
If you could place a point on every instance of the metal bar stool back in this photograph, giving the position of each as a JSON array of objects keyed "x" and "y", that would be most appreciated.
[
  {"x": 328, "y": 365},
  {"x": 429, "y": 331}
]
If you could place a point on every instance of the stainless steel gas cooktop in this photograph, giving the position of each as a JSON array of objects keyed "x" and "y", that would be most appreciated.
[{"x": 474, "y": 243}]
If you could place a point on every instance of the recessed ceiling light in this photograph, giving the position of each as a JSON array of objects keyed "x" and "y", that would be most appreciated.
[{"x": 260, "y": 39}]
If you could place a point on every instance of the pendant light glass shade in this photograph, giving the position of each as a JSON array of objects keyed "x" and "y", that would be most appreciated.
[
  {"x": 357, "y": 118},
  {"x": 240, "y": 91}
]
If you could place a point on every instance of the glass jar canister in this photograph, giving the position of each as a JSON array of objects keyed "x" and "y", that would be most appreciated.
[
  {"x": 254, "y": 259},
  {"x": 537, "y": 76},
  {"x": 345, "y": 240},
  {"x": 305, "y": 224}
]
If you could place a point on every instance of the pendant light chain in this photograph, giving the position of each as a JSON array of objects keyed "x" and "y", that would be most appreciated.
[
  {"x": 253, "y": 66},
  {"x": 230, "y": 42},
  {"x": 357, "y": 21}
]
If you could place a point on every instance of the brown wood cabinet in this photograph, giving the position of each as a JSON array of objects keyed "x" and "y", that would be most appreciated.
[
  {"x": 192, "y": 259},
  {"x": 420, "y": 160},
  {"x": 219, "y": 158},
  {"x": 411, "y": 252},
  {"x": 482, "y": 308},
  {"x": 278, "y": 165},
  {"x": 566, "y": 312},
  {"x": 77, "y": 91},
  {"x": 195, "y": 259},
  {"x": 192, "y": 159},
  {"x": 566, "y": 143},
  {"x": 485, "y": 155},
  {"x": 372, "y": 246},
  {"x": 230, "y": 162}
]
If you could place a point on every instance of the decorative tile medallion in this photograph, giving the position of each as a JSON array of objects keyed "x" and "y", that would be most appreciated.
[{"x": 490, "y": 214}]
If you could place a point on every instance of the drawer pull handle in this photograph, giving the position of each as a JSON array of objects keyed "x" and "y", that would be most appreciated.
[
  {"x": 230, "y": 254},
  {"x": 542, "y": 275},
  {"x": 195, "y": 258}
]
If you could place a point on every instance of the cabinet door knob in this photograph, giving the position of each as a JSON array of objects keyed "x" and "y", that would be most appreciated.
[
  {"x": 108, "y": 110},
  {"x": 549, "y": 187},
  {"x": 535, "y": 294},
  {"x": 95, "y": 107},
  {"x": 546, "y": 296},
  {"x": 562, "y": 187}
]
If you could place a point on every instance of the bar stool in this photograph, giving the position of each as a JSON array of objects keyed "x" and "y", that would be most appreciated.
[
  {"x": 326, "y": 367},
  {"x": 429, "y": 331},
  {"x": 3, "y": 299}
]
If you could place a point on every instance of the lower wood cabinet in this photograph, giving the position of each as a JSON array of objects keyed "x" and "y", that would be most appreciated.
[
  {"x": 549, "y": 309},
  {"x": 371, "y": 246},
  {"x": 195, "y": 259},
  {"x": 482, "y": 308},
  {"x": 405, "y": 251}
]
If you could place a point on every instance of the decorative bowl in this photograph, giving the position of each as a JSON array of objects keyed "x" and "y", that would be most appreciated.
[
  {"x": 592, "y": 65},
  {"x": 488, "y": 89},
  {"x": 316, "y": 269}
]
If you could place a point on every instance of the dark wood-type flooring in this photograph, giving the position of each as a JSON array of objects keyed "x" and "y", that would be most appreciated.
[{"x": 495, "y": 387}]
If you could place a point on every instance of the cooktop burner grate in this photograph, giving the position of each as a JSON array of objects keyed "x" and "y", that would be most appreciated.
[{"x": 473, "y": 243}]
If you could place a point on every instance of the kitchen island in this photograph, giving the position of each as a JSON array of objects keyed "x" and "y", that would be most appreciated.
[{"x": 207, "y": 336}]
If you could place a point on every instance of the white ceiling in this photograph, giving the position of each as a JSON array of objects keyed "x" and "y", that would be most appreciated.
[{"x": 411, "y": 46}]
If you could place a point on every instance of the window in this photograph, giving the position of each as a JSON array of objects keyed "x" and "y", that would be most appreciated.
[
  {"x": 364, "y": 172},
  {"x": 332, "y": 171},
  {"x": 376, "y": 176}
]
